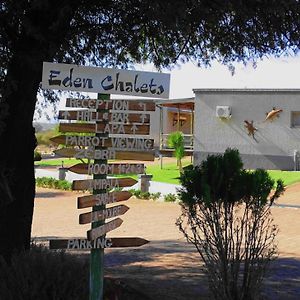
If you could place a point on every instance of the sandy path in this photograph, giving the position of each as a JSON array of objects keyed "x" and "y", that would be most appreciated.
[{"x": 167, "y": 267}]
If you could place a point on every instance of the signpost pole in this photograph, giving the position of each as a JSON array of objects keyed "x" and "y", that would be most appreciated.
[{"x": 97, "y": 255}]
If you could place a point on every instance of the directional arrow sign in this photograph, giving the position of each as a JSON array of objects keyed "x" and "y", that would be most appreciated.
[
  {"x": 104, "y": 128},
  {"x": 84, "y": 244},
  {"x": 103, "y": 214},
  {"x": 134, "y": 128},
  {"x": 65, "y": 115},
  {"x": 109, "y": 153},
  {"x": 101, "y": 230},
  {"x": 114, "y": 105},
  {"x": 108, "y": 169},
  {"x": 102, "y": 199},
  {"x": 101, "y": 184},
  {"x": 114, "y": 142},
  {"x": 93, "y": 116}
]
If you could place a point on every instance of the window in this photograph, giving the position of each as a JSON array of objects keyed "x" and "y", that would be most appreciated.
[{"x": 295, "y": 119}]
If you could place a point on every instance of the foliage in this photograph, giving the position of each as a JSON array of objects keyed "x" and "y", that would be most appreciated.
[
  {"x": 43, "y": 137},
  {"x": 113, "y": 34},
  {"x": 144, "y": 195},
  {"x": 49, "y": 182},
  {"x": 176, "y": 141},
  {"x": 41, "y": 274},
  {"x": 170, "y": 197},
  {"x": 226, "y": 215},
  {"x": 37, "y": 156},
  {"x": 155, "y": 196}
]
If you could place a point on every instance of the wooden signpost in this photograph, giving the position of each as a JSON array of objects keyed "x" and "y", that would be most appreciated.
[
  {"x": 104, "y": 120},
  {"x": 105, "y": 128},
  {"x": 102, "y": 183},
  {"x": 109, "y": 153},
  {"x": 102, "y": 199},
  {"x": 120, "y": 143},
  {"x": 102, "y": 214},
  {"x": 93, "y": 116},
  {"x": 108, "y": 169},
  {"x": 85, "y": 244},
  {"x": 101, "y": 145},
  {"x": 115, "y": 105}
]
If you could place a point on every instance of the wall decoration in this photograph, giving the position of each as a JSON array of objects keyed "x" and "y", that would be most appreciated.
[
  {"x": 274, "y": 113},
  {"x": 251, "y": 129}
]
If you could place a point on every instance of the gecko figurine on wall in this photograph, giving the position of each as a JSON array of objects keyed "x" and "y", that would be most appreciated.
[
  {"x": 274, "y": 113},
  {"x": 250, "y": 127}
]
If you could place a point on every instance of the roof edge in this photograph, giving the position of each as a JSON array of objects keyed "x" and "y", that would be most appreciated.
[{"x": 245, "y": 90}]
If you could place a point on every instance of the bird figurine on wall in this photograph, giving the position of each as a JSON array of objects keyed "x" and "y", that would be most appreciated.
[
  {"x": 250, "y": 127},
  {"x": 274, "y": 113}
]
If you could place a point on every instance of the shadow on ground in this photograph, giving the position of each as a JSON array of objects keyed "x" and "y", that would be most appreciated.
[
  {"x": 49, "y": 195},
  {"x": 169, "y": 269}
]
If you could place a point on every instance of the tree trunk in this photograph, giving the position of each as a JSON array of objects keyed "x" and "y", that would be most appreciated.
[
  {"x": 17, "y": 144},
  {"x": 38, "y": 39}
]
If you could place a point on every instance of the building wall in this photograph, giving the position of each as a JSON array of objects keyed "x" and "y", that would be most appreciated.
[{"x": 274, "y": 143}]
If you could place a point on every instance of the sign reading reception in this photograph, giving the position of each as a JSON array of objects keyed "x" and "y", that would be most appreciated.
[{"x": 104, "y": 80}]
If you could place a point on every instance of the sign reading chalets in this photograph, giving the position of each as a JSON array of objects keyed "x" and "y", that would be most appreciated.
[{"x": 104, "y": 80}]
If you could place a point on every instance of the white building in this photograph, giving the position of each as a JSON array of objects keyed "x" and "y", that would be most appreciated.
[{"x": 236, "y": 118}]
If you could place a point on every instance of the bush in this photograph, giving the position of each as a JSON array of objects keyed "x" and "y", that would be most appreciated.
[
  {"x": 176, "y": 141},
  {"x": 226, "y": 214},
  {"x": 144, "y": 195},
  {"x": 41, "y": 274},
  {"x": 170, "y": 197},
  {"x": 49, "y": 182},
  {"x": 37, "y": 156},
  {"x": 155, "y": 196}
]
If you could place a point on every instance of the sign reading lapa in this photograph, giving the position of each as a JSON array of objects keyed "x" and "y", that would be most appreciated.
[{"x": 104, "y": 80}]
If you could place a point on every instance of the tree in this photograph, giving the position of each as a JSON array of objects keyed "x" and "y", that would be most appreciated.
[
  {"x": 226, "y": 214},
  {"x": 175, "y": 140},
  {"x": 112, "y": 33}
]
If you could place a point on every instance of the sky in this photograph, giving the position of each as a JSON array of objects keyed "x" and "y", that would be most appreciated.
[{"x": 269, "y": 73}]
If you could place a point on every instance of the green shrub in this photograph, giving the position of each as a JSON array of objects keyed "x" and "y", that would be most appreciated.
[
  {"x": 155, "y": 196},
  {"x": 41, "y": 274},
  {"x": 176, "y": 141},
  {"x": 49, "y": 182},
  {"x": 170, "y": 197},
  {"x": 37, "y": 156},
  {"x": 226, "y": 214},
  {"x": 145, "y": 195},
  {"x": 135, "y": 193}
]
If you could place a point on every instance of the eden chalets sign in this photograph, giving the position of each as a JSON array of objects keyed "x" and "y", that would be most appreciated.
[{"x": 104, "y": 80}]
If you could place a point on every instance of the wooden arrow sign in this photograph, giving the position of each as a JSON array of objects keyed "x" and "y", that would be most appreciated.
[
  {"x": 105, "y": 128},
  {"x": 102, "y": 199},
  {"x": 101, "y": 184},
  {"x": 122, "y": 143},
  {"x": 84, "y": 244},
  {"x": 103, "y": 229},
  {"x": 105, "y": 154},
  {"x": 93, "y": 116},
  {"x": 113, "y": 104},
  {"x": 103, "y": 214},
  {"x": 108, "y": 169}
]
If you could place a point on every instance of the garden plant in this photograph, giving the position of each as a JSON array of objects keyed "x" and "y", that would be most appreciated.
[{"x": 226, "y": 214}]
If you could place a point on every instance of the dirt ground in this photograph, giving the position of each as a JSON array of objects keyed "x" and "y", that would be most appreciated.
[{"x": 169, "y": 268}]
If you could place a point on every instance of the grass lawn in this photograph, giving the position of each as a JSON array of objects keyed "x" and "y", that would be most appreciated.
[
  {"x": 170, "y": 173},
  {"x": 67, "y": 162},
  {"x": 288, "y": 177}
]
